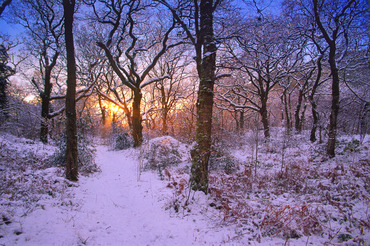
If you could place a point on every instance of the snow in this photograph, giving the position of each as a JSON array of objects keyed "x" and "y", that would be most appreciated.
[
  {"x": 122, "y": 206},
  {"x": 111, "y": 208}
]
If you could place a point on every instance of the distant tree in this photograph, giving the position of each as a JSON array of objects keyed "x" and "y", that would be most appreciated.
[
  {"x": 71, "y": 127},
  {"x": 333, "y": 27},
  {"x": 133, "y": 50},
  {"x": 264, "y": 55},
  {"x": 43, "y": 21},
  {"x": 168, "y": 93}
]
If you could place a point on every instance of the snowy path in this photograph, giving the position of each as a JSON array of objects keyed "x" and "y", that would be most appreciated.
[{"x": 113, "y": 208}]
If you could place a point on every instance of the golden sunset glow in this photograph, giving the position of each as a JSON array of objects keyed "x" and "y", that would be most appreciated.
[{"x": 113, "y": 108}]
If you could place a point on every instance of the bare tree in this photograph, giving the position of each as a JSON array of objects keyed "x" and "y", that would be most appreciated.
[
  {"x": 128, "y": 42},
  {"x": 5, "y": 72},
  {"x": 264, "y": 56},
  {"x": 168, "y": 93},
  {"x": 331, "y": 24},
  {"x": 43, "y": 21}
]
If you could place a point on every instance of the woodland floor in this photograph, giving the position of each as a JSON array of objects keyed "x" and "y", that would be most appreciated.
[
  {"x": 308, "y": 201},
  {"x": 112, "y": 207}
]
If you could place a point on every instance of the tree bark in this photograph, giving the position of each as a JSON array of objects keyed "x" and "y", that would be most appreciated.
[
  {"x": 164, "y": 111},
  {"x": 284, "y": 99},
  {"x": 334, "y": 103},
  {"x": 311, "y": 98},
  {"x": 137, "y": 128},
  {"x": 102, "y": 110},
  {"x": 71, "y": 127},
  {"x": 45, "y": 97},
  {"x": 264, "y": 118},
  {"x": 241, "y": 121},
  {"x": 44, "y": 130},
  {"x": 298, "y": 123},
  {"x": 206, "y": 66}
]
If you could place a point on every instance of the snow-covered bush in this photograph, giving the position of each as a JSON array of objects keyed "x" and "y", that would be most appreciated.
[
  {"x": 25, "y": 177},
  {"x": 161, "y": 153},
  {"x": 86, "y": 154},
  {"x": 221, "y": 159},
  {"x": 123, "y": 141}
]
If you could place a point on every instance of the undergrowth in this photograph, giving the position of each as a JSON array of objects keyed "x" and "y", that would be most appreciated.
[
  {"x": 26, "y": 177},
  {"x": 309, "y": 195}
]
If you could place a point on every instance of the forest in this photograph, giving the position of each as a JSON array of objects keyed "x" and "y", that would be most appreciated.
[{"x": 184, "y": 122}]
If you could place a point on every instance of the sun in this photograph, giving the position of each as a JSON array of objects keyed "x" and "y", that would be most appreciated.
[{"x": 113, "y": 108}]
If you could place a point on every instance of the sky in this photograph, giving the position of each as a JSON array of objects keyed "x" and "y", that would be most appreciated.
[{"x": 270, "y": 6}]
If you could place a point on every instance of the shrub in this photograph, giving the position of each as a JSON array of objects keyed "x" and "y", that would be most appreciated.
[
  {"x": 123, "y": 141},
  {"x": 86, "y": 154},
  {"x": 161, "y": 153},
  {"x": 221, "y": 159},
  {"x": 352, "y": 146}
]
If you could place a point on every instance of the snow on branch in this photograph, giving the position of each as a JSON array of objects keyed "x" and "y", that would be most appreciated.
[
  {"x": 235, "y": 105},
  {"x": 37, "y": 86},
  {"x": 154, "y": 80},
  {"x": 110, "y": 99},
  {"x": 222, "y": 75},
  {"x": 86, "y": 92}
]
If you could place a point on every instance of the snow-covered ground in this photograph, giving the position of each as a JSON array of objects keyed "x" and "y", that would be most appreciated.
[
  {"x": 126, "y": 205},
  {"x": 113, "y": 207}
]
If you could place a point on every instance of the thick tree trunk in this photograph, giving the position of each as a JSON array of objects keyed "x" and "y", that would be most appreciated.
[
  {"x": 315, "y": 114},
  {"x": 334, "y": 103},
  {"x": 45, "y": 104},
  {"x": 206, "y": 70},
  {"x": 44, "y": 130},
  {"x": 4, "y": 114},
  {"x": 71, "y": 127},
  {"x": 264, "y": 119},
  {"x": 102, "y": 110},
  {"x": 164, "y": 122},
  {"x": 241, "y": 121},
  {"x": 137, "y": 128}
]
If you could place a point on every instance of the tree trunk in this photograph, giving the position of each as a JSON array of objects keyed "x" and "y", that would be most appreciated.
[
  {"x": 285, "y": 101},
  {"x": 44, "y": 130},
  {"x": 303, "y": 116},
  {"x": 102, "y": 110},
  {"x": 298, "y": 123},
  {"x": 315, "y": 114},
  {"x": 264, "y": 119},
  {"x": 45, "y": 103},
  {"x": 137, "y": 128},
  {"x": 206, "y": 66},
  {"x": 164, "y": 112},
  {"x": 334, "y": 103},
  {"x": 71, "y": 127},
  {"x": 4, "y": 114},
  {"x": 241, "y": 121}
]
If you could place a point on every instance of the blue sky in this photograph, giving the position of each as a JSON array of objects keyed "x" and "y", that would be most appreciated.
[{"x": 273, "y": 7}]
